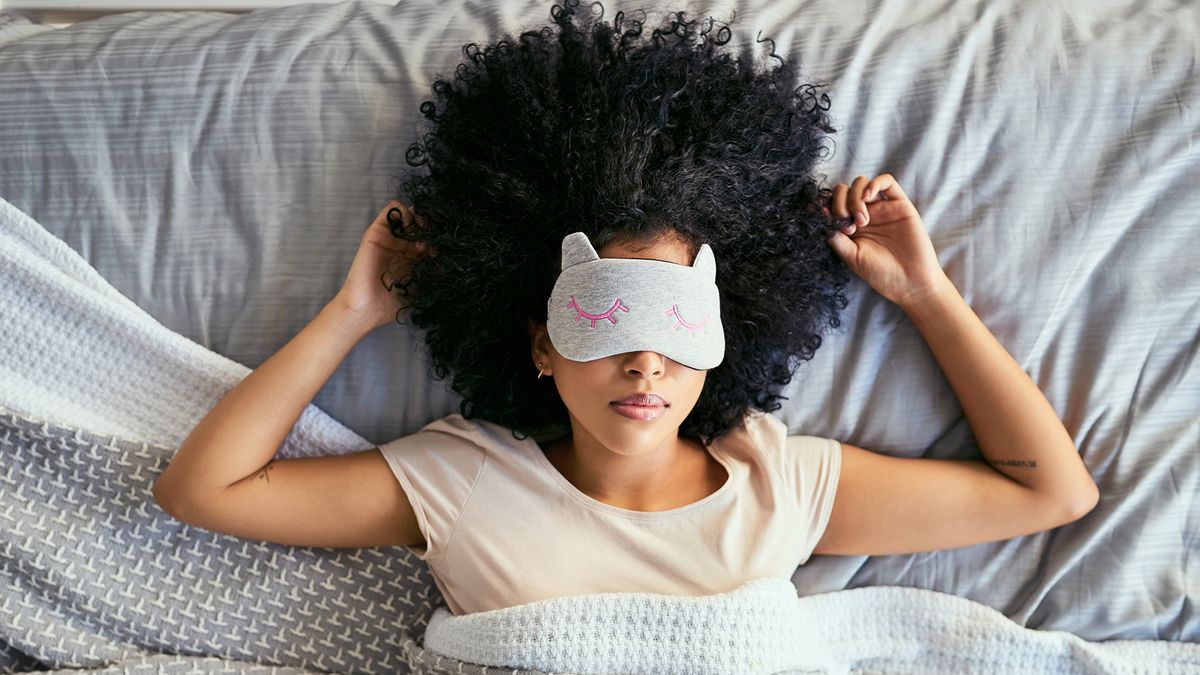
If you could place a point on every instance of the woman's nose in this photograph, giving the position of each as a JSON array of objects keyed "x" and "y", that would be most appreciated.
[{"x": 646, "y": 362}]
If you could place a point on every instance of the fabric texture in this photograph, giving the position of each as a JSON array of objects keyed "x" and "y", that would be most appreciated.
[
  {"x": 125, "y": 352},
  {"x": 217, "y": 170},
  {"x": 504, "y": 527},
  {"x": 95, "y": 397},
  {"x": 763, "y": 627}
]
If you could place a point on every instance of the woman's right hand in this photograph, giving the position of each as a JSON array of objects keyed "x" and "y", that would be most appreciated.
[{"x": 369, "y": 291}]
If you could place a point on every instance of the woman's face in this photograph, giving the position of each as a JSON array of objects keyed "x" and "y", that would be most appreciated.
[{"x": 588, "y": 388}]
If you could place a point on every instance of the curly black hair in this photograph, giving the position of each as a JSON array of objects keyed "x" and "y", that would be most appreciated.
[{"x": 601, "y": 130}]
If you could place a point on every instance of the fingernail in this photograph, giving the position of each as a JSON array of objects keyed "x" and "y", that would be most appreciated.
[{"x": 860, "y": 217}]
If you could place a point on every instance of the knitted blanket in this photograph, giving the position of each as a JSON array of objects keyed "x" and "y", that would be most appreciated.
[
  {"x": 95, "y": 395},
  {"x": 763, "y": 627}
]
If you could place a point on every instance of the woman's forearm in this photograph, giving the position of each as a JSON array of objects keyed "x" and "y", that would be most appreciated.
[
  {"x": 1017, "y": 429},
  {"x": 250, "y": 423}
]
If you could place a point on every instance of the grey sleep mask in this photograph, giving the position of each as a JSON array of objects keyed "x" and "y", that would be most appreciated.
[{"x": 605, "y": 306}]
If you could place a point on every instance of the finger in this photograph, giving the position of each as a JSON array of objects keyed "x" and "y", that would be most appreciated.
[
  {"x": 856, "y": 203},
  {"x": 395, "y": 222},
  {"x": 838, "y": 202},
  {"x": 842, "y": 245},
  {"x": 397, "y": 212},
  {"x": 844, "y": 228},
  {"x": 886, "y": 187},
  {"x": 400, "y": 219},
  {"x": 391, "y": 211},
  {"x": 412, "y": 220},
  {"x": 838, "y": 210}
]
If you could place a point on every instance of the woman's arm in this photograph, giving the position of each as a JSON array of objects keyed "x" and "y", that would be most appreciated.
[
  {"x": 1018, "y": 431},
  {"x": 243, "y": 432},
  {"x": 1031, "y": 479}
]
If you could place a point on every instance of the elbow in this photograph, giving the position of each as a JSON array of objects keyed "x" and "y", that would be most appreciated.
[
  {"x": 165, "y": 502},
  {"x": 160, "y": 500},
  {"x": 1083, "y": 503},
  {"x": 1093, "y": 498}
]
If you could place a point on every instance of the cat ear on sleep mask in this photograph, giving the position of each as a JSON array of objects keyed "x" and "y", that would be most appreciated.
[{"x": 605, "y": 306}]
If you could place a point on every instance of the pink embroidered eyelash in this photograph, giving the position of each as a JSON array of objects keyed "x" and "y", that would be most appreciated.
[
  {"x": 680, "y": 321},
  {"x": 674, "y": 311},
  {"x": 596, "y": 317}
]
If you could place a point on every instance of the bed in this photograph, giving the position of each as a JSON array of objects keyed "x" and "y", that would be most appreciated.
[{"x": 217, "y": 169}]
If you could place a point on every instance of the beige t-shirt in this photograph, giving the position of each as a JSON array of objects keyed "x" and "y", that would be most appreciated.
[{"x": 503, "y": 527}]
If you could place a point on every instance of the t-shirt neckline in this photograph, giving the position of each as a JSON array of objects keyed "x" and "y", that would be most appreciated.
[{"x": 585, "y": 499}]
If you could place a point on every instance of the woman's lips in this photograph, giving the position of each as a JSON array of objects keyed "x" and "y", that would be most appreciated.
[
  {"x": 643, "y": 413},
  {"x": 642, "y": 398}
]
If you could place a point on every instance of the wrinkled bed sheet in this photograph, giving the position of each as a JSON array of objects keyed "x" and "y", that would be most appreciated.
[{"x": 218, "y": 169}]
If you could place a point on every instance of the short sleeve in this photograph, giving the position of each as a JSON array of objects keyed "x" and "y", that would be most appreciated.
[
  {"x": 438, "y": 472},
  {"x": 812, "y": 466}
]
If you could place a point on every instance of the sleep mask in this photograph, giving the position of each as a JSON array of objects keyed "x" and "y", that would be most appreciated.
[{"x": 605, "y": 306}]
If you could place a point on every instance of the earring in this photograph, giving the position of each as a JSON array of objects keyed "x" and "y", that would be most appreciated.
[{"x": 540, "y": 373}]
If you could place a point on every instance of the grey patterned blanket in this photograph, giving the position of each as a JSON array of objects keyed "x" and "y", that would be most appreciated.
[
  {"x": 95, "y": 577},
  {"x": 95, "y": 395}
]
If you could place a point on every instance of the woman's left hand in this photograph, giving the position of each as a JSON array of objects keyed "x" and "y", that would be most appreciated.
[{"x": 887, "y": 245}]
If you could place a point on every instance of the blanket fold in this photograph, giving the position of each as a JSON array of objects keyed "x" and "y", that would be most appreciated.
[{"x": 763, "y": 627}]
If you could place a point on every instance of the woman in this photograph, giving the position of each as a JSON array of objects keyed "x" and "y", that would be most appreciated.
[{"x": 664, "y": 151}]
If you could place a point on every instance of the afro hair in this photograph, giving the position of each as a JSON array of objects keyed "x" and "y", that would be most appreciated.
[{"x": 626, "y": 138}]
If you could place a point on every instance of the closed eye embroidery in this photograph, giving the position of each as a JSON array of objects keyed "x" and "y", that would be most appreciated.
[
  {"x": 679, "y": 321},
  {"x": 618, "y": 305},
  {"x": 596, "y": 317}
]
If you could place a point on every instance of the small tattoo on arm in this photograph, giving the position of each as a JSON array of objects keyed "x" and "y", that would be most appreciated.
[
  {"x": 1031, "y": 463},
  {"x": 263, "y": 472}
]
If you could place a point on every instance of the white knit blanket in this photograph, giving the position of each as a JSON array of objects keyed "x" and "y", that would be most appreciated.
[
  {"x": 74, "y": 351},
  {"x": 763, "y": 627}
]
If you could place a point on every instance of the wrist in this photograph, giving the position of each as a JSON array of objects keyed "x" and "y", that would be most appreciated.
[
  {"x": 929, "y": 300},
  {"x": 351, "y": 323}
]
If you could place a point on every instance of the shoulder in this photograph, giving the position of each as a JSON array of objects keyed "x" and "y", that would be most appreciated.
[
  {"x": 765, "y": 427},
  {"x": 770, "y": 434},
  {"x": 799, "y": 458},
  {"x": 446, "y": 454},
  {"x": 456, "y": 431},
  {"x": 763, "y": 438},
  {"x": 459, "y": 440}
]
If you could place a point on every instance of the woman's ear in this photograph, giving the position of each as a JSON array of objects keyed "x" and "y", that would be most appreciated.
[{"x": 539, "y": 342}]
